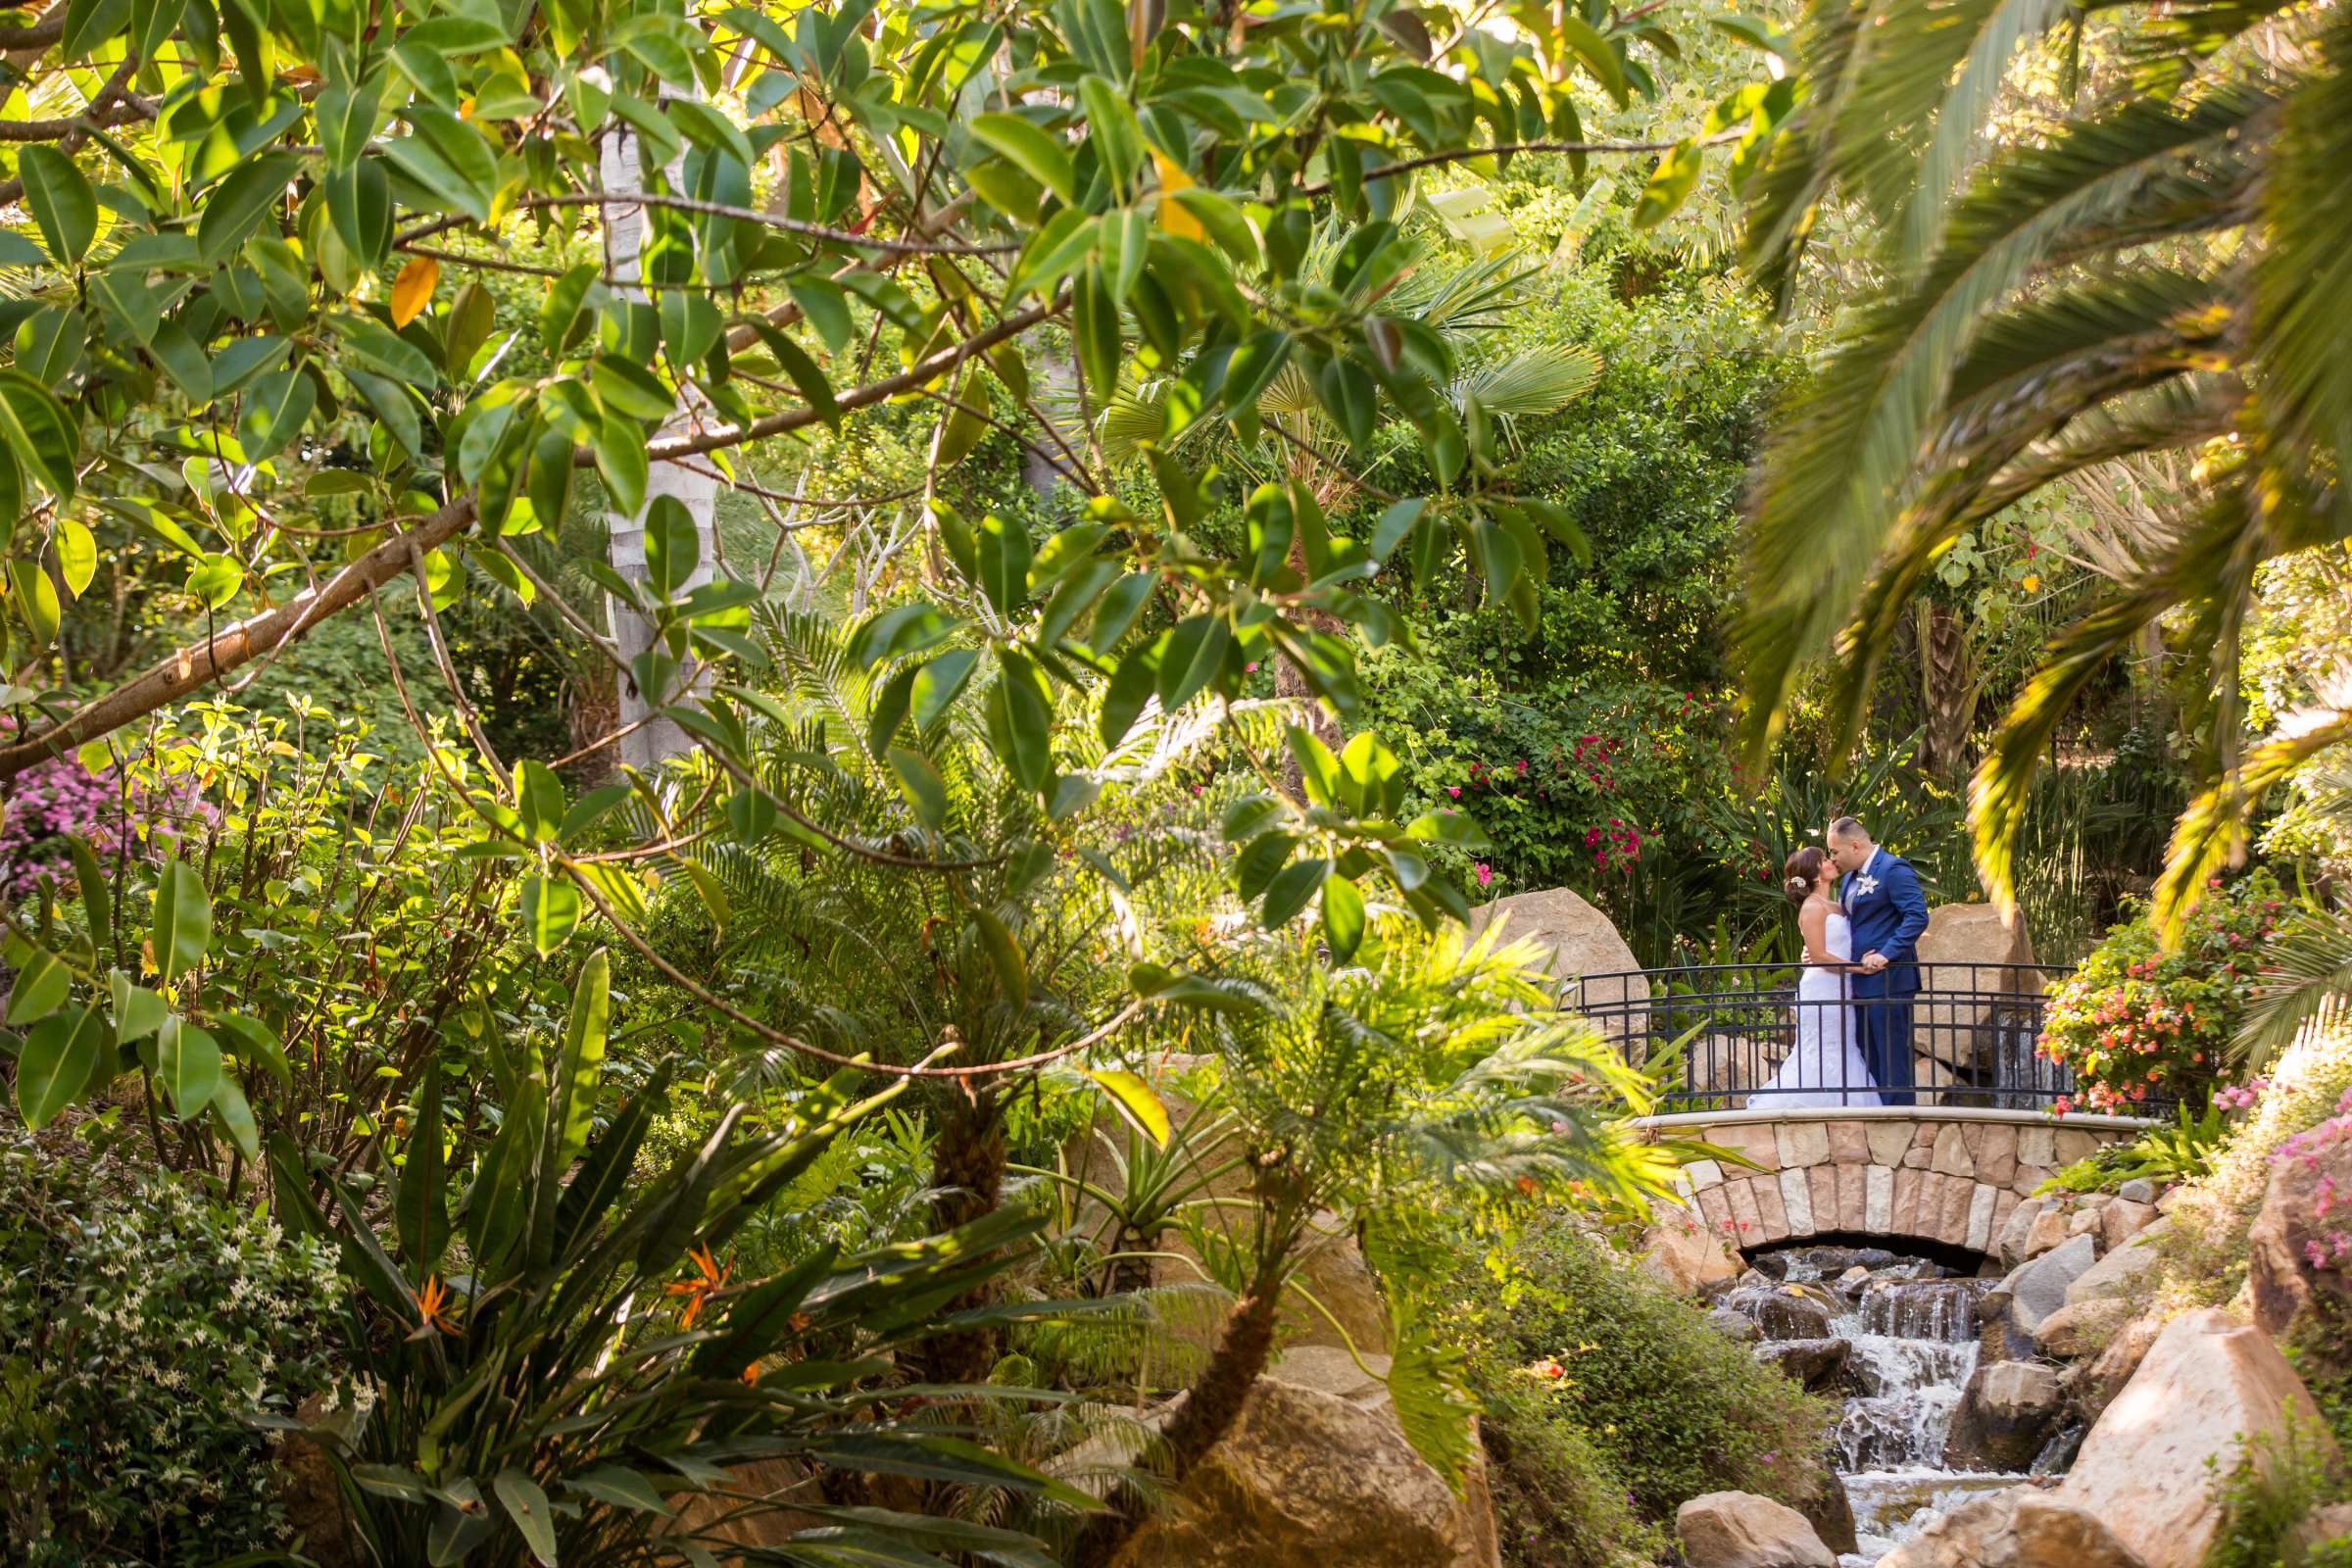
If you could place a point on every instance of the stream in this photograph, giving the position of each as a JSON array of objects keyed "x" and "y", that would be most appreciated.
[{"x": 1909, "y": 1328}]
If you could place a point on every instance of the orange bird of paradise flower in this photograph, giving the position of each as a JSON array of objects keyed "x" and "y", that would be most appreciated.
[
  {"x": 432, "y": 1304},
  {"x": 710, "y": 1277}
]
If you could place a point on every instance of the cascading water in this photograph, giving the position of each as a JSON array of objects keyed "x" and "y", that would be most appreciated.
[{"x": 1911, "y": 1331}]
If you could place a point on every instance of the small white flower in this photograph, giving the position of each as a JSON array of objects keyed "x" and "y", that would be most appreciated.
[{"x": 1865, "y": 886}]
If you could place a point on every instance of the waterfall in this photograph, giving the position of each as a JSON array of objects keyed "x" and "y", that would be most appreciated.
[{"x": 1911, "y": 1325}]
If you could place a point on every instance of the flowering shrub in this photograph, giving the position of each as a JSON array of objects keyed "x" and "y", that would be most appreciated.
[
  {"x": 142, "y": 1330},
  {"x": 106, "y": 809},
  {"x": 2332, "y": 1250},
  {"x": 2136, "y": 1023}
]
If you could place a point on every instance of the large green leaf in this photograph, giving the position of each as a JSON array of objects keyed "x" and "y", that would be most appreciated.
[
  {"x": 182, "y": 928},
  {"x": 43, "y": 436},
  {"x": 188, "y": 1061},
  {"x": 62, "y": 201},
  {"x": 581, "y": 1065},
  {"x": 420, "y": 1210},
  {"x": 60, "y": 1056},
  {"x": 41, "y": 987},
  {"x": 527, "y": 1506},
  {"x": 1038, "y": 154}
]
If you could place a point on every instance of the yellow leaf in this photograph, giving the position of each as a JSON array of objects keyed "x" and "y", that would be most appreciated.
[
  {"x": 413, "y": 288},
  {"x": 1172, "y": 215}
]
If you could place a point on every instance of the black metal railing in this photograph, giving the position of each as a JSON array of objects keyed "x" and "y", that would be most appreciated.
[{"x": 1973, "y": 1030}]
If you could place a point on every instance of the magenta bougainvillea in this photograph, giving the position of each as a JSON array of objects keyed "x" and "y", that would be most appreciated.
[
  {"x": 2136, "y": 1023},
  {"x": 104, "y": 809}
]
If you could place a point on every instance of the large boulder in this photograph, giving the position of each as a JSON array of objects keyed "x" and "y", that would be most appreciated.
[
  {"x": 2308, "y": 1175},
  {"x": 1683, "y": 1256},
  {"x": 2319, "y": 1526},
  {"x": 1953, "y": 1024},
  {"x": 2006, "y": 1413},
  {"x": 2038, "y": 1288},
  {"x": 2081, "y": 1329},
  {"x": 2208, "y": 1387},
  {"x": 2021, "y": 1527},
  {"x": 1815, "y": 1365},
  {"x": 2126, "y": 1273},
  {"x": 1740, "y": 1529},
  {"x": 1312, "y": 1477},
  {"x": 2091, "y": 1386},
  {"x": 1578, "y": 941}
]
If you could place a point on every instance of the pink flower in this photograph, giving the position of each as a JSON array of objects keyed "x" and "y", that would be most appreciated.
[
  {"x": 1486, "y": 873},
  {"x": 1454, "y": 790}
]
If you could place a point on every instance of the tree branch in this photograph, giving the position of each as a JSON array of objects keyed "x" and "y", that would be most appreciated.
[{"x": 190, "y": 670}]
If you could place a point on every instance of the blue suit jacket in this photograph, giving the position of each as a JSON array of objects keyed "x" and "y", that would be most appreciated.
[{"x": 1889, "y": 913}]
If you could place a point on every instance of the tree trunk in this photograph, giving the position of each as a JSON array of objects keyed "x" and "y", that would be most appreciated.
[
  {"x": 653, "y": 740},
  {"x": 1948, "y": 691},
  {"x": 967, "y": 1168},
  {"x": 1209, "y": 1410}
]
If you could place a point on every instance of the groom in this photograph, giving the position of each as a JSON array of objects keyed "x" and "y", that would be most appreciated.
[{"x": 1889, "y": 913}]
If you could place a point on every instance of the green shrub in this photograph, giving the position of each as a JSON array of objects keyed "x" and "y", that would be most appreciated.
[
  {"x": 2275, "y": 1486},
  {"x": 1669, "y": 1407},
  {"x": 1558, "y": 1503},
  {"x": 142, "y": 1330}
]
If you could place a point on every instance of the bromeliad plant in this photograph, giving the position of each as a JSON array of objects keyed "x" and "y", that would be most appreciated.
[{"x": 562, "y": 1365}]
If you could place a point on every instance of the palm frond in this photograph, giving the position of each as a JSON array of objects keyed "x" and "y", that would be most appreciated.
[
  {"x": 2214, "y": 825},
  {"x": 2306, "y": 979},
  {"x": 2013, "y": 348},
  {"x": 2002, "y": 789},
  {"x": 2178, "y": 412},
  {"x": 1530, "y": 383},
  {"x": 1832, "y": 480},
  {"x": 2304, "y": 273}
]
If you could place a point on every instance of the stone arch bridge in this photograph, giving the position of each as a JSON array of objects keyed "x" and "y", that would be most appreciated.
[
  {"x": 1990, "y": 1122},
  {"x": 1941, "y": 1176}
]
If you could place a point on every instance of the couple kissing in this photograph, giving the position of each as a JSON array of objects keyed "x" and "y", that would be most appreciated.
[{"x": 1853, "y": 1014}]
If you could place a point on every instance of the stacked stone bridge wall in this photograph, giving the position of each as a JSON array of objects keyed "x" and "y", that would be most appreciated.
[{"x": 1947, "y": 1176}]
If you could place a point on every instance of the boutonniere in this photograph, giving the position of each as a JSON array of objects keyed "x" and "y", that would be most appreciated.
[{"x": 1865, "y": 886}]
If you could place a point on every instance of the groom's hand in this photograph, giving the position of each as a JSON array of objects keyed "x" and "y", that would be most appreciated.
[{"x": 1872, "y": 962}]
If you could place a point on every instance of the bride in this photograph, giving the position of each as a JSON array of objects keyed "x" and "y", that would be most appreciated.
[{"x": 1826, "y": 1068}]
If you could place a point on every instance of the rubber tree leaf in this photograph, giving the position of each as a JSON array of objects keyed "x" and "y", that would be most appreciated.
[{"x": 182, "y": 926}]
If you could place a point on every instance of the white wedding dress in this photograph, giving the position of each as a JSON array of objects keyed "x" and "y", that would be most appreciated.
[{"x": 1827, "y": 1067}]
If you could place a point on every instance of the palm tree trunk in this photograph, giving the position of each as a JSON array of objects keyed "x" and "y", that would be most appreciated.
[
  {"x": 1209, "y": 1412},
  {"x": 1948, "y": 690},
  {"x": 967, "y": 1168}
]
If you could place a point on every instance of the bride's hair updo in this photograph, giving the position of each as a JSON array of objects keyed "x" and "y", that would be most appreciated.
[{"x": 1804, "y": 871}]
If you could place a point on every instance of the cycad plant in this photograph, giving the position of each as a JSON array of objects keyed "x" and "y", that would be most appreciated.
[
  {"x": 1430, "y": 1068},
  {"x": 1002, "y": 944},
  {"x": 2164, "y": 269}
]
